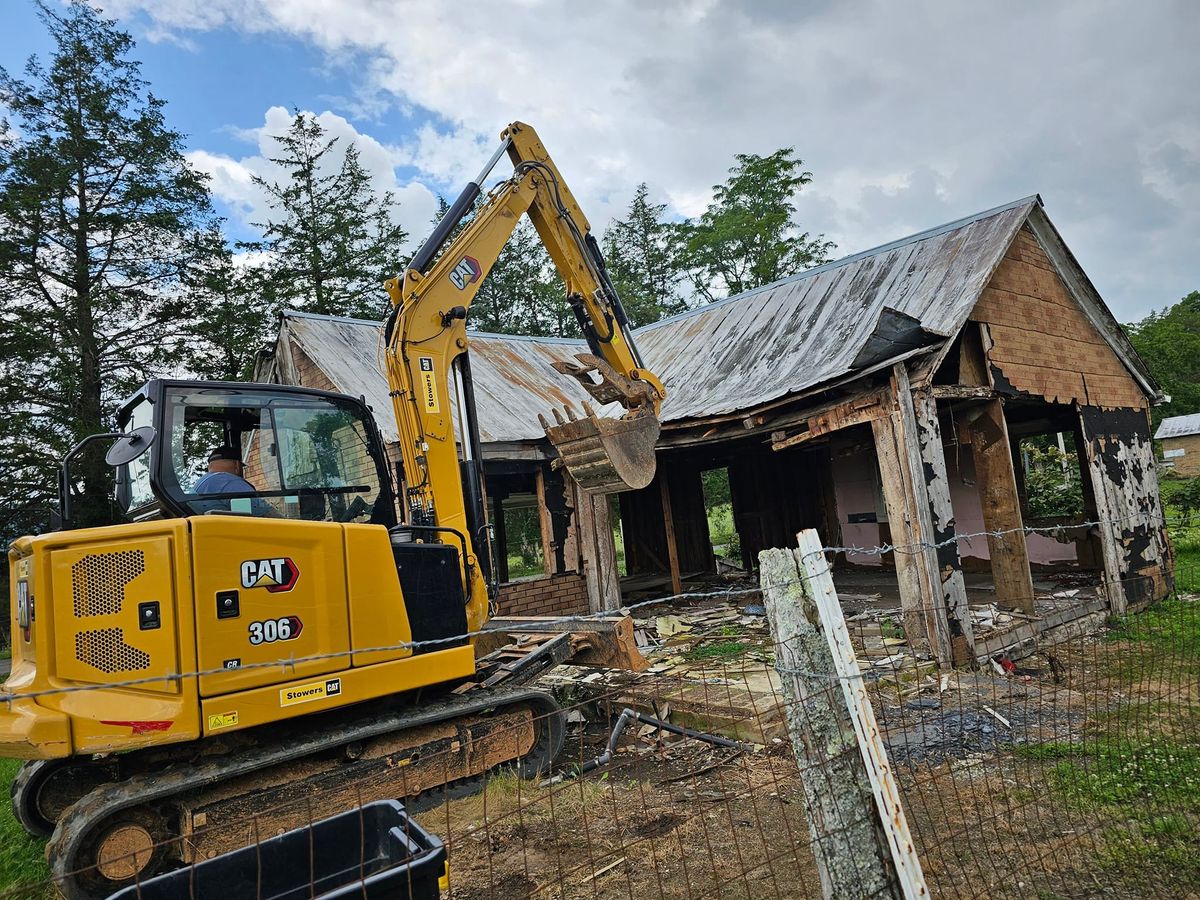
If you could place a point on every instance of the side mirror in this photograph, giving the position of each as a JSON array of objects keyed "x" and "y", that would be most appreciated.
[
  {"x": 128, "y": 447},
  {"x": 125, "y": 449}
]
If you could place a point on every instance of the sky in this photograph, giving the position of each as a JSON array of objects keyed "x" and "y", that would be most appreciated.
[{"x": 908, "y": 114}]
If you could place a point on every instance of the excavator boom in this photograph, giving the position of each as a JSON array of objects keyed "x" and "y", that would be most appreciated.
[{"x": 427, "y": 344}]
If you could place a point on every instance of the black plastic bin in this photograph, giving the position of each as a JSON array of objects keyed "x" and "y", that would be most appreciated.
[{"x": 377, "y": 851}]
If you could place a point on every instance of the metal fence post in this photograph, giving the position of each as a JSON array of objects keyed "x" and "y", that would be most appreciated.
[{"x": 860, "y": 836}]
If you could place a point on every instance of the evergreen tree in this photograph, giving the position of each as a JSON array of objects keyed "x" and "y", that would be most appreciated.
[
  {"x": 642, "y": 252},
  {"x": 233, "y": 314},
  {"x": 101, "y": 225},
  {"x": 332, "y": 237},
  {"x": 523, "y": 294},
  {"x": 748, "y": 237}
]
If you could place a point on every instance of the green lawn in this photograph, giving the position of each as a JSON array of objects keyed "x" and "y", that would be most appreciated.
[
  {"x": 22, "y": 859},
  {"x": 1185, "y": 537}
]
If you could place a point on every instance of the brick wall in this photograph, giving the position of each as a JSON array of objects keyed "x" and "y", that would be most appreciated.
[
  {"x": 564, "y": 594},
  {"x": 1043, "y": 343}
]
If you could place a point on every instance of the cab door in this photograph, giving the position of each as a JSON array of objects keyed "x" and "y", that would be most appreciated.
[{"x": 269, "y": 592}]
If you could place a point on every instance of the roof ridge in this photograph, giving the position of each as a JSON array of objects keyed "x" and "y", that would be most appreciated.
[{"x": 1031, "y": 199}]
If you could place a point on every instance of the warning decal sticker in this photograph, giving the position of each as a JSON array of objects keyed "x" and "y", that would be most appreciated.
[
  {"x": 429, "y": 395},
  {"x": 222, "y": 720}
]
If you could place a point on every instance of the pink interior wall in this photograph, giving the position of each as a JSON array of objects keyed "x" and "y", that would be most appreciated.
[
  {"x": 854, "y": 488},
  {"x": 968, "y": 514}
]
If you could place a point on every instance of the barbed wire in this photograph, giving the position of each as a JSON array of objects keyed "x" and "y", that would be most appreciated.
[{"x": 551, "y": 623}]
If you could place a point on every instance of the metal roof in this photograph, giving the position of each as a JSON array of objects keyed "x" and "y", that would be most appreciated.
[
  {"x": 1178, "y": 426},
  {"x": 513, "y": 377},
  {"x": 805, "y": 330},
  {"x": 823, "y": 324}
]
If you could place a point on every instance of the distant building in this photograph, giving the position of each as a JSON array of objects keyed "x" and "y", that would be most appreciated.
[
  {"x": 1180, "y": 436},
  {"x": 882, "y": 399}
]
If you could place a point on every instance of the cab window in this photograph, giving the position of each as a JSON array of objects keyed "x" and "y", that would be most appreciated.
[{"x": 270, "y": 454}]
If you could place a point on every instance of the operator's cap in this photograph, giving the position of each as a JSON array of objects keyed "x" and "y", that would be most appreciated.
[{"x": 224, "y": 452}]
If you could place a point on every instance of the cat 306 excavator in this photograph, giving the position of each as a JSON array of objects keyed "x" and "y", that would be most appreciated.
[{"x": 311, "y": 639}]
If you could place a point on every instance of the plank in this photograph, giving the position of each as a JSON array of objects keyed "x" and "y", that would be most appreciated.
[
  {"x": 997, "y": 485},
  {"x": 544, "y": 523},
  {"x": 669, "y": 525}
]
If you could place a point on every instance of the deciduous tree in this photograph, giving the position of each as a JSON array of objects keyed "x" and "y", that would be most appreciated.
[
  {"x": 748, "y": 236},
  {"x": 1169, "y": 342}
]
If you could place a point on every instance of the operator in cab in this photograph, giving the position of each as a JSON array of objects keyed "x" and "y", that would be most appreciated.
[{"x": 224, "y": 476}]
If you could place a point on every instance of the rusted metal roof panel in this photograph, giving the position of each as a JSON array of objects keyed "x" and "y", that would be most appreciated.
[
  {"x": 514, "y": 381},
  {"x": 808, "y": 329},
  {"x": 725, "y": 357}
]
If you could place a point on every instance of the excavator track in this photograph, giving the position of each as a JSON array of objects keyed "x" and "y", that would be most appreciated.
[{"x": 192, "y": 809}]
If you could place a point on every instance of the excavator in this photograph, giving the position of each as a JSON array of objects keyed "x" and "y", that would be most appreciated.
[{"x": 322, "y": 636}]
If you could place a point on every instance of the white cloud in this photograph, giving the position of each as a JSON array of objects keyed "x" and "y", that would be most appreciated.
[
  {"x": 908, "y": 114},
  {"x": 232, "y": 180}
]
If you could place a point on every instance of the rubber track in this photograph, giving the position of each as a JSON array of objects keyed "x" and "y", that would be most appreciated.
[{"x": 93, "y": 809}]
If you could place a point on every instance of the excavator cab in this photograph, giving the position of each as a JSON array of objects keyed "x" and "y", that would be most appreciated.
[{"x": 289, "y": 453}]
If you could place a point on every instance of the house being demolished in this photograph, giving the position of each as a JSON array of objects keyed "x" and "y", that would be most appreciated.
[{"x": 883, "y": 399}]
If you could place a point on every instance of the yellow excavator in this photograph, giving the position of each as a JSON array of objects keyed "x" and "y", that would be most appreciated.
[{"x": 317, "y": 633}]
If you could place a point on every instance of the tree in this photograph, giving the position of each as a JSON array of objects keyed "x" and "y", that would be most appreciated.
[
  {"x": 101, "y": 220},
  {"x": 332, "y": 237},
  {"x": 748, "y": 237},
  {"x": 523, "y": 294},
  {"x": 641, "y": 251},
  {"x": 1169, "y": 342},
  {"x": 233, "y": 310}
]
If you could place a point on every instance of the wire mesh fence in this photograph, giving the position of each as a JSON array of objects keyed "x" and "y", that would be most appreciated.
[{"x": 1068, "y": 766}]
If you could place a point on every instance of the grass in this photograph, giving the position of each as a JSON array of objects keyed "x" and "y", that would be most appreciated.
[
  {"x": 1165, "y": 637},
  {"x": 22, "y": 859},
  {"x": 1168, "y": 846},
  {"x": 716, "y": 650},
  {"x": 1151, "y": 788}
]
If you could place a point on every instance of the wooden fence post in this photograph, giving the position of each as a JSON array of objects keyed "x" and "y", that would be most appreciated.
[{"x": 860, "y": 836}]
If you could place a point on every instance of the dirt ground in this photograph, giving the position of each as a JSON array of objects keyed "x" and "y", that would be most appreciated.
[
  {"x": 1076, "y": 774},
  {"x": 683, "y": 821}
]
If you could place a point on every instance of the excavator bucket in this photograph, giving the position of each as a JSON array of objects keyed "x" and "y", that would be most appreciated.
[{"x": 605, "y": 455}]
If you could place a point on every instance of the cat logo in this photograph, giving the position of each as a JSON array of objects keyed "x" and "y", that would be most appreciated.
[
  {"x": 466, "y": 272},
  {"x": 276, "y": 575},
  {"x": 429, "y": 394}
]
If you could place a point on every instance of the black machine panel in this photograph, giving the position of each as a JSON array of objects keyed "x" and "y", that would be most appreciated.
[{"x": 433, "y": 594}]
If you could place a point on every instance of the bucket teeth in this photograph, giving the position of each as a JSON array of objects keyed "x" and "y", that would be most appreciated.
[{"x": 604, "y": 455}]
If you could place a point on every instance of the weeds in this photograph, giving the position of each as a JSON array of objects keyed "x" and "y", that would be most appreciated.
[{"x": 22, "y": 859}]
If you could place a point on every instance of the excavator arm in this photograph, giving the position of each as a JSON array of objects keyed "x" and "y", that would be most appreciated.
[{"x": 428, "y": 368}]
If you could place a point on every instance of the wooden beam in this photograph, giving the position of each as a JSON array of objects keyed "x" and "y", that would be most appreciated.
[
  {"x": 608, "y": 577},
  {"x": 544, "y": 523},
  {"x": 962, "y": 392},
  {"x": 917, "y": 494},
  {"x": 860, "y": 838},
  {"x": 945, "y": 565},
  {"x": 972, "y": 361},
  {"x": 855, "y": 411},
  {"x": 669, "y": 525},
  {"x": 998, "y": 497}
]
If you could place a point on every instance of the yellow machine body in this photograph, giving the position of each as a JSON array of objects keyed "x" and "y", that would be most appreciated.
[{"x": 122, "y": 611}]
